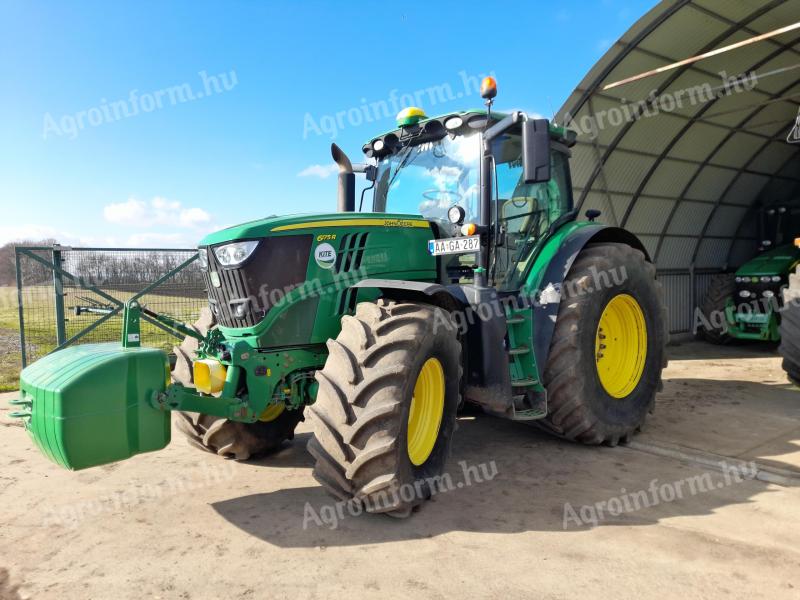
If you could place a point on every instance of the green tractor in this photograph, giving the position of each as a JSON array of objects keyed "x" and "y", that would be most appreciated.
[
  {"x": 470, "y": 279},
  {"x": 747, "y": 304}
]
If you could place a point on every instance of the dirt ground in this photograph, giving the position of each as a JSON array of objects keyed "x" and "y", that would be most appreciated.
[{"x": 184, "y": 524}]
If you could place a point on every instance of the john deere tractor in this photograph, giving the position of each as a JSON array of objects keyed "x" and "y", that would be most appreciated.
[
  {"x": 466, "y": 278},
  {"x": 747, "y": 304}
]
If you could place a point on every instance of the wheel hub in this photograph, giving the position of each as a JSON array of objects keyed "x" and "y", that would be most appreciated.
[
  {"x": 425, "y": 415},
  {"x": 621, "y": 346}
]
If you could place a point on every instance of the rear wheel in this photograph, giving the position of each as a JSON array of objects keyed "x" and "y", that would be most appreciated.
[
  {"x": 720, "y": 290},
  {"x": 218, "y": 434},
  {"x": 608, "y": 347},
  {"x": 386, "y": 407},
  {"x": 790, "y": 330}
]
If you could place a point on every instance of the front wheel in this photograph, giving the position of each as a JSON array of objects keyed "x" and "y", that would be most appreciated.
[
  {"x": 608, "y": 348},
  {"x": 219, "y": 435},
  {"x": 386, "y": 407}
]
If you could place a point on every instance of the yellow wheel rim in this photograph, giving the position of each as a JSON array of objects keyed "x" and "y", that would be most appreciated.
[
  {"x": 272, "y": 412},
  {"x": 621, "y": 346},
  {"x": 425, "y": 416}
]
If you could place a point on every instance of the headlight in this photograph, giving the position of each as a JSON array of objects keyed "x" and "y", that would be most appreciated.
[
  {"x": 766, "y": 279},
  {"x": 768, "y": 294},
  {"x": 202, "y": 258},
  {"x": 744, "y": 294},
  {"x": 776, "y": 278},
  {"x": 234, "y": 254},
  {"x": 739, "y": 280}
]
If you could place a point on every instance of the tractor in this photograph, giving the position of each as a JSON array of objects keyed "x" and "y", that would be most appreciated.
[
  {"x": 470, "y": 279},
  {"x": 747, "y": 304}
]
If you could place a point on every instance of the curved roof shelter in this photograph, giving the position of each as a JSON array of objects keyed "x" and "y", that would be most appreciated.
[{"x": 685, "y": 155}]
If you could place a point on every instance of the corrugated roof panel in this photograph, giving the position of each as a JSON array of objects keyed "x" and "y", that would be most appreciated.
[
  {"x": 746, "y": 189},
  {"x": 691, "y": 26},
  {"x": 650, "y": 244},
  {"x": 726, "y": 220},
  {"x": 677, "y": 29},
  {"x": 739, "y": 61},
  {"x": 773, "y": 157},
  {"x": 712, "y": 253},
  {"x": 689, "y": 218},
  {"x": 710, "y": 184},
  {"x": 655, "y": 135},
  {"x": 699, "y": 141},
  {"x": 624, "y": 171},
  {"x": 649, "y": 215},
  {"x": 676, "y": 253},
  {"x": 611, "y": 206},
  {"x": 738, "y": 150},
  {"x": 582, "y": 164},
  {"x": 731, "y": 9},
  {"x": 670, "y": 179}
]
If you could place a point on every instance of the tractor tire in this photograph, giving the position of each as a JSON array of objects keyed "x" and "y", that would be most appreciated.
[
  {"x": 789, "y": 348},
  {"x": 720, "y": 290},
  {"x": 605, "y": 402},
  {"x": 219, "y": 435},
  {"x": 391, "y": 361}
]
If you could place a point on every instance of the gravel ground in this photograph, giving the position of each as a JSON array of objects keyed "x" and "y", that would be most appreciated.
[{"x": 184, "y": 524}]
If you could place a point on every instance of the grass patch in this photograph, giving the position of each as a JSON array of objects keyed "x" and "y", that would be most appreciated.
[{"x": 40, "y": 324}]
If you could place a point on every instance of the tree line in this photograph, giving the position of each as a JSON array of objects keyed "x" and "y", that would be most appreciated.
[{"x": 111, "y": 270}]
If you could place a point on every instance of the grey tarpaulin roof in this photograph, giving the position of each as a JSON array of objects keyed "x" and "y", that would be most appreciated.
[{"x": 687, "y": 178}]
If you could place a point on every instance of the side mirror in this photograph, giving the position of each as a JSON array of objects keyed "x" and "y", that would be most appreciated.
[{"x": 536, "y": 151}]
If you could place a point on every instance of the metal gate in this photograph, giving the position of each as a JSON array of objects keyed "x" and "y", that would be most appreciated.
[{"x": 76, "y": 295}]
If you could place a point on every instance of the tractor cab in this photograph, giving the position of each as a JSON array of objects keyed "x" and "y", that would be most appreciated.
[{"x": 433, "y": 166}]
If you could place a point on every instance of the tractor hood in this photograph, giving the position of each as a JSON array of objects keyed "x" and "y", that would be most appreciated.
[
  {"x": 312, "y": 223},
  {"x": 777, "y": 261}
]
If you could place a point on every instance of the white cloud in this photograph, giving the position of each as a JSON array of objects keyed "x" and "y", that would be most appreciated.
[
  {"x": 165, "y": 240},
  {"x": 159, "y": 211},
  {"x": 321, "y": 171},
  {"x": 38, "y": 233}
]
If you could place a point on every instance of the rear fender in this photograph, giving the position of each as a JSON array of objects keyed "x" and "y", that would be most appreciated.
[{"x": 548, "y": 295}]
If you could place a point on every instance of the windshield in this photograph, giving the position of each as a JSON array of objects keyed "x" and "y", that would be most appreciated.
[{"x": 429, "y": 178}]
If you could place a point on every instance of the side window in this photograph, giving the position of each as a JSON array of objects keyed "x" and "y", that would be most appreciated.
[{"x": 525, "y": 212}]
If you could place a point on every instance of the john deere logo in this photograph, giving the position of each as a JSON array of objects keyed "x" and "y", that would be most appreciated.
[{"x": 325, "y": 255}]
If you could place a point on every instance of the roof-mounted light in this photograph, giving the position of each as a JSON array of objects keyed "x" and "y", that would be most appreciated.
[
  {"x": 488, "y": 88},
  {"x": 453, "y": 123},
  {"x": 410, "y": 116}
]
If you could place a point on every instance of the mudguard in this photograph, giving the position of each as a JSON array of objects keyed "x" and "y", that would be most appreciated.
[{"x": 548, "y": 295}]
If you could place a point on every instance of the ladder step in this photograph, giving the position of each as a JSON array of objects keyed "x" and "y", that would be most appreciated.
[
  {"x": 529, "y": 415},
  {"x": 519, "y": 350},
  {"x": 524, "y": 382},
  {"x": 515, "y": 320}
]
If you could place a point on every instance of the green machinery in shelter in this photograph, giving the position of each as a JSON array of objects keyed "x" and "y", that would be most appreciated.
[
  {"x": 467, "y": 278},
  {"x": 747, "y": 304}
]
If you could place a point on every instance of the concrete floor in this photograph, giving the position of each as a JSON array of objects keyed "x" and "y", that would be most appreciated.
[{"x": 184, "y": 524}]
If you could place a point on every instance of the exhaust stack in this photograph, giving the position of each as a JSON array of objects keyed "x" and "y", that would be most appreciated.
[{"x": 347, "y": 180}]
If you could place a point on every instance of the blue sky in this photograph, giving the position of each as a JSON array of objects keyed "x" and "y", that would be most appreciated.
[{"x": 151, "y": 123}]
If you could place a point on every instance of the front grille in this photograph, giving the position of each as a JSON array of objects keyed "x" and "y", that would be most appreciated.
[
  {"x": 246, "y": 293},
  {"x": 756, "y": 300}
]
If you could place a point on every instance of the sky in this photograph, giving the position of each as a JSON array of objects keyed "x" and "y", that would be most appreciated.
[{"x": 151, "y": 124}]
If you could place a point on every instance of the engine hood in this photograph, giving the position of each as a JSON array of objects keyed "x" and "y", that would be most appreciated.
[
  {"x": 314, "y": 223},
  {"x": 777, "y": 261}
]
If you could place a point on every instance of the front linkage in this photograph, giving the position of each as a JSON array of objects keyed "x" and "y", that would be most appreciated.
[{"x": 274, "y": 378}]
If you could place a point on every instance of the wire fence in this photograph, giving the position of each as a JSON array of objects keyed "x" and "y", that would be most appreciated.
[{"x": 75, "y": 295}]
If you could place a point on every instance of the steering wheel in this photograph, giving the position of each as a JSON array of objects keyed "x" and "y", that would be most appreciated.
[{"x": 434, "y": 194}]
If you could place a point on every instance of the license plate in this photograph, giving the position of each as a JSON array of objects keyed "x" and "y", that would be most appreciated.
[{"x": 457, "y": 245}]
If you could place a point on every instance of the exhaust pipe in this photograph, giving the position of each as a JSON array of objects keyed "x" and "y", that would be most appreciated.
[{"x": 347, "y": 180}]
